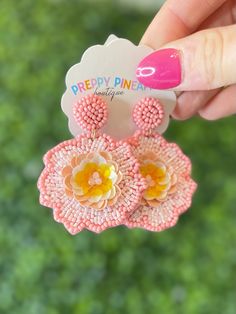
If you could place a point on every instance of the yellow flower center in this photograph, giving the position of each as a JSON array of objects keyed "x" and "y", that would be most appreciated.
[
  {"x": 157, "y": 179},
  {"x": 94, "y": 179}
]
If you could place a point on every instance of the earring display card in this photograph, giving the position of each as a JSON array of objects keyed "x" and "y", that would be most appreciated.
[
  {"x": 117, "y": 169},
  {"x": 109, "y": 71}
]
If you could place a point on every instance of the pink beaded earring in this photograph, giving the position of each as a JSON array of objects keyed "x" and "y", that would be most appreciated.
[
  {"x": 91, "y": 181},
  {"x": 166, "y": 170}
]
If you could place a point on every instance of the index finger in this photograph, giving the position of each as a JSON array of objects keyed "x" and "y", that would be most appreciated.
[{"x": 177, "y": 19}]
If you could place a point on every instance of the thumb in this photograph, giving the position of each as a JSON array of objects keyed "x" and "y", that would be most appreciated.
[{"x": 204, "y": 60}]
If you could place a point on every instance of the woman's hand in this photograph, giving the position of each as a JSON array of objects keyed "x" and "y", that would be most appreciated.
[{"x": 196, "y": 42}]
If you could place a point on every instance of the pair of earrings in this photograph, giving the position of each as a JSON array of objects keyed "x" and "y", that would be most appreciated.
[{"x": 95, "y": 182}]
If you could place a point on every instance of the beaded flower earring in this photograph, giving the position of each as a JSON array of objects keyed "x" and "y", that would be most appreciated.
[
  {"x": 91, "y": 181},
  {"x": 166, "y": 170}
]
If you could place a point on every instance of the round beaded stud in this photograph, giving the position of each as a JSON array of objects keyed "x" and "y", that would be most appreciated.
[
  {"x": 90, "y": 112},
  {"x": 148, "y": 113}
]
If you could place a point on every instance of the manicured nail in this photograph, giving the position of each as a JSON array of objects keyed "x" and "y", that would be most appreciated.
[{"x": 161, "y": 69}]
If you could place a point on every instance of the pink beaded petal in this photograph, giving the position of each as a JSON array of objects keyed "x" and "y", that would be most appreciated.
[
  {"x": 90, "y": 112},
  {"x": 148, "y": 113},
  {"x": 170, "y": 188},
  {"x": 91, "y": 183}
]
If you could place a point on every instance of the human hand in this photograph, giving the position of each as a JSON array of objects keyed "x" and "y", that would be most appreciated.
[{"x": 201, "y": 64}]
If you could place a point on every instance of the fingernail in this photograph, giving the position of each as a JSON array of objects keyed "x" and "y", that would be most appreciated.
[{"x": 161, "y": 69}]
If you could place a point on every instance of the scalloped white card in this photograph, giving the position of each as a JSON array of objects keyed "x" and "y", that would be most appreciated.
[{"x": 109, "y": 71}]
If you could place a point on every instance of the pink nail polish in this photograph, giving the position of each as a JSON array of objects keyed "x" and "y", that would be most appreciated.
[{"x": 161, "y": 69}]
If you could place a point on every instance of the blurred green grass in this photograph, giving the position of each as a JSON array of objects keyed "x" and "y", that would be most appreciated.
[{"x": 188, "y": 269}]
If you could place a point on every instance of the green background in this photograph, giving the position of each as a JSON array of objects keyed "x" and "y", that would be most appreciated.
[{"x": 190, "y": 268}]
